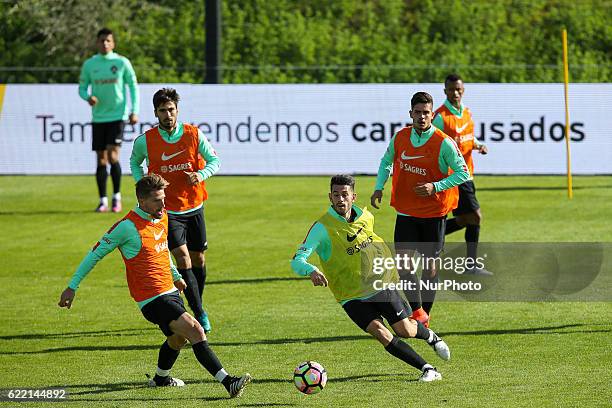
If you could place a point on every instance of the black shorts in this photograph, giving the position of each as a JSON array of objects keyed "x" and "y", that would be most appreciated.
[
  {"x": 187, "y": 229},
  {"x": 425, "y": 235},
  {"x": 468, "y": 203},
  {"x": 163, "y": 310},
  {"x": 386, "y": 304},
  {"x": 106, "y": 133}
]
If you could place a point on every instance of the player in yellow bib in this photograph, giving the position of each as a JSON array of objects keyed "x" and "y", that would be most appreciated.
[{"x": 341, "y": 238}]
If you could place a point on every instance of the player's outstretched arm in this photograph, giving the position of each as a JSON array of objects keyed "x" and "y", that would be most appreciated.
[{"x": 66, "y": 298}]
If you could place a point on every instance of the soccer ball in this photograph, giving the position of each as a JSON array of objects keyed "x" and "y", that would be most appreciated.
[{"x": 309, "y": 377}]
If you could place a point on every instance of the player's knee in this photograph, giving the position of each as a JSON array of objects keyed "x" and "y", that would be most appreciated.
[
  {"x": 198, "y": 332},
  {"x": 380, "y": 332},
  {"x": 402, "y": 331},
  {"x": 430, "y": 273},
  {"x": 192, "y": 329},
  {"x": 405, "y": 328},
  {"x": 177, "y": 342},
  {"x": 477, "y": 217},
  {"x": 197, "y": 259},
  {"x": 183, "y": 260}
]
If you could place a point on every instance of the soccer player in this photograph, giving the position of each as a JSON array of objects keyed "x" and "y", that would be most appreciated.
[
  {"x": 455, "y": 119},
  {"x": 335, "y": 237},
  {"x": 422, "y": 193},
  {"x": 183, "y": 155},
  {"x": 108, "y": 74},
  {"x": 154, "y": 283}
]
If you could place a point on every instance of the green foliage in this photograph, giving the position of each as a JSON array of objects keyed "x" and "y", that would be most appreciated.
[{"x": 315, "y": 41}]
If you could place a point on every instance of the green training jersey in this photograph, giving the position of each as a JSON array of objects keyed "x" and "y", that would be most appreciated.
[{"x": 108, "y": 76}]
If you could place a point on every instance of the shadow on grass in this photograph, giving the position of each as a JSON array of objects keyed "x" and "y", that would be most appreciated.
[
  {"x": 532, "y": 330},
  {"x": 46, "y": 212},
  {"x": 255, "y": 280},
  {"x": 538, "y": 188},
  {"x": 546, "y": 330},
  {"x": 98, "y": 333},
  {"x": 86, "y": 390}
]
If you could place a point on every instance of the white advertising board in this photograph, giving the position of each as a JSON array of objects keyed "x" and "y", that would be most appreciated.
[{"x": 316, "y": 129}]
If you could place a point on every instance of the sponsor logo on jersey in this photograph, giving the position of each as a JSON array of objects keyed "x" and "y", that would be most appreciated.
[
  {"x": 404, "y": 157},
  {"x": 355, "y": 249},
  {"x": 171, "y": 168},
  {"x": 460, "y": 129},
  {"x": 465, "y": 138},
  {"x": 165, "y": 157},
  {"x": 413, "y": 169},
  {"x": 351, "y": 238},
  {"x": 158, "y": 236},
  {"x": 162, "y": 246}
]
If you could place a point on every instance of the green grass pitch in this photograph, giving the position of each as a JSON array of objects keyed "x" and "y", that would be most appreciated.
[{"x": 266, "y": 320}]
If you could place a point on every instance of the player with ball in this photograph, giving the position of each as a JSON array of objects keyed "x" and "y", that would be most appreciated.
[{"x": 345, "y": 241}]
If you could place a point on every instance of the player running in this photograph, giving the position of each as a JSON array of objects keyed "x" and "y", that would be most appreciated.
[
  {"x": 335, "y": 238},
  {"x": 154, "y": 283},
  {"x": 183, "y": 155},
  {"x": 455, "y": 119},
  {"x": 422, "y": 193}
]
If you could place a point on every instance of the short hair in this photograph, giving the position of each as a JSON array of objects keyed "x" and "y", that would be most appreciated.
[
  {"x": 342, "y": 180},
  {"x": 104, "y": 32},
  {"x": 421, "y": 97},
  {"x": 452, "y": 78},
  {"x": 150, "y": 183},
  {"x": 165, "y": 95}
]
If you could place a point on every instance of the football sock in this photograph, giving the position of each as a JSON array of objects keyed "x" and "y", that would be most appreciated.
[
  {"x": 101, "y": 176},
  {"x": 452, "y": 226},
  {"x": 104, "y": 201},
  {"x": 472, "y": 233},
  {"x": 117, "y": 196},
  {"x": 428, "y": 295},
  {"x": 221, "y": 375},
  {"x": 200, "y": 275},
  {"x": 115, "y": 171},
  {"x": 413, "y": 295},
  {"x": 404, "y": 352},
  {"x": 207, "y": 357},
  {"x": 191, "y": 292},
  {"x": 165, "y": 360},
  {"x": 422, "y": 331}
]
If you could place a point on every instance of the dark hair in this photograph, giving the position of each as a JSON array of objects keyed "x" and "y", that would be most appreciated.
[
  {"x": 421, "y": 97},
  {"x": 165, "y": 95},
  {"x": 452, "y": 78},
  {"x": 104, "y": 32},
  {"x": 150, "y": 183},
  {"x": 342, "y": 180}
]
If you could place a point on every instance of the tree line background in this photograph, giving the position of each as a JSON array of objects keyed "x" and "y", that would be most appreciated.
[{"x": 313, "y": 41}]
